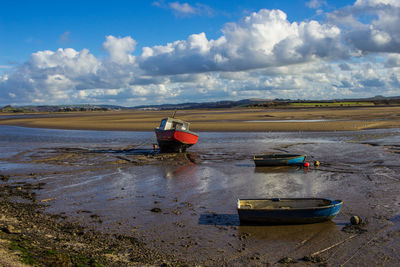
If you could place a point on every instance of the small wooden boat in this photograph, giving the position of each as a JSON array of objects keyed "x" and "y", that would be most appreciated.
[
  {"x": 287, "y": 210},
  {"x": 173, "y": 135},
  {"x": 278, "y": 159}
]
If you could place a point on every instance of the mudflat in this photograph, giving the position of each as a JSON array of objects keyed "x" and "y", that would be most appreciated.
[
  {"x": 107, "y": 198},
  {"x": 220, "y": 120},
  {"x": 81, "y": 198}
]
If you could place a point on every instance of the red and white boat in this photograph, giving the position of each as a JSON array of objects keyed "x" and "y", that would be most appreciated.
[{"x": 173, "y": 135}]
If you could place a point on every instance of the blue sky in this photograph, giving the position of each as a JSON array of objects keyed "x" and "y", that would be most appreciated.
[{"x": 152, "y": 52}]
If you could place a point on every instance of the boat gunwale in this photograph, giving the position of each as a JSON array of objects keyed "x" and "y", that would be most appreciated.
[
  {"x": 177, "y": 130},
  {"x": 279, "y": 156},
  {"x": 340, "y": 202}
]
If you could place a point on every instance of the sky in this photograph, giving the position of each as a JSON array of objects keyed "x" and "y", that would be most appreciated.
[{"x": 132, "y": 53}]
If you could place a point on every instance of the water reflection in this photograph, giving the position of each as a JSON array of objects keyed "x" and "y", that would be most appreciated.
[
  {"x": 280, "y": 169},
  {"x": 219, "y": 219},
  {"x": 182, "y": 171},
  {"x": 268, "y": 232},
  {"x": 287, "y": 232}
]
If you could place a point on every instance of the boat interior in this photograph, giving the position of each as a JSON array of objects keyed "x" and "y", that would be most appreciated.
[
  {"x": 281, "y": 203},
  {"x": 275, "y": 156}
]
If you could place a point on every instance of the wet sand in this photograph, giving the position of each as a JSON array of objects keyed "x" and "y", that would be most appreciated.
[
  {"x": 226, "y": 120},
  {"x": 181, "y": 207}
]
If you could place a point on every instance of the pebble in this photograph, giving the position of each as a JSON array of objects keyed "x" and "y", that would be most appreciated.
[{"x": 156, "y": 210}]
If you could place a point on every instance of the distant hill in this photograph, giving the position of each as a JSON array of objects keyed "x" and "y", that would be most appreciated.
[
  {"x": 252, "y": 102},
  {"x": 255, "y": 102},
  {"x": 375, "y": 98},
  {"x": 218, "y": 104},
  {"x": 60, "y": 108}
]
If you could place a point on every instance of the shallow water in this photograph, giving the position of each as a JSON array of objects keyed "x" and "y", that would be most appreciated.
[{"x": 198, "y": 218}]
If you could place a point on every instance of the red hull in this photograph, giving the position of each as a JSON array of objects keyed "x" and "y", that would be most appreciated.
[{"x": 175, "y": 140}]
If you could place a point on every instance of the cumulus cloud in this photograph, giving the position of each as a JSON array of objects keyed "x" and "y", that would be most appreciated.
[
  {"x": 52, "y": 76},
  {"x": 119, "y": 49},
  {"x": 67, "y": 61},
  {"x": 379, "y": 34},
  {"x": 263, "y": 39}
]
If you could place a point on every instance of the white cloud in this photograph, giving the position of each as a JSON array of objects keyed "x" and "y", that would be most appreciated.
[
  {"x": 316, "y": 3},
  {"x": 67, "y": 61},
  {"x": 393, "y": 60},
  {"x": 119, "y": 49},
  {"x": 371, "y": 25},
  {"x": 185, "y": 9},
  {"x": 263, "y": 39},
  {"x": 374, "y": 3}
]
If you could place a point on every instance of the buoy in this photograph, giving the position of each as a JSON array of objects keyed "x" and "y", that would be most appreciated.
[
  {"x": 354, "y": 220},
  {"x": 154, "y": 146},
  {"x": 317, "y": 163},
  {"x": 306, "y": 164}
]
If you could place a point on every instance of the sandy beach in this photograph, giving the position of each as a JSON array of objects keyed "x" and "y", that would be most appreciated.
[{"x": 230, "y": 120}]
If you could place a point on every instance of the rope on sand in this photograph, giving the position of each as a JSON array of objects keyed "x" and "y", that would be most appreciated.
[
  {"x": 334, "y": 245},
  {"x": 138, "y": 145},
  {"x": 363, "y": 245}
]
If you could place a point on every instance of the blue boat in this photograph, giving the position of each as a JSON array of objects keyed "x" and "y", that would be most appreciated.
[
  {"x": 287, "y": 210},
  {"x": 278, "y": 159}
]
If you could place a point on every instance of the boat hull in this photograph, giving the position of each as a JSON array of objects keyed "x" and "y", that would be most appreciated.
[
  {"x": 278, "y": 159},
  {"x": 175, "y": 140},
  {"x": 287, "y": 211}
]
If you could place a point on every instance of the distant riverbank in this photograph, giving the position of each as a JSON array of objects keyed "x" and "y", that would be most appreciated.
[{"x": 219, "y": 120}]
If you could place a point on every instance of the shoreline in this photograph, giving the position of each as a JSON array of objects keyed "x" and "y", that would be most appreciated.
[{"x": 219, "y": 120}]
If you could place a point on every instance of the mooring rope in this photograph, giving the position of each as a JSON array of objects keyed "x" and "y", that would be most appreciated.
[{"x": 140, "y": 144}]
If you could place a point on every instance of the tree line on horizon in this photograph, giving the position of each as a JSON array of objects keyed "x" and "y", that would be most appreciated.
[{"x": 245, "y": 103}]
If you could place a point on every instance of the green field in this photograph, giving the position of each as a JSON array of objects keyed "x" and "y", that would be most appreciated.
[{"x": 332, "y": 104}]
